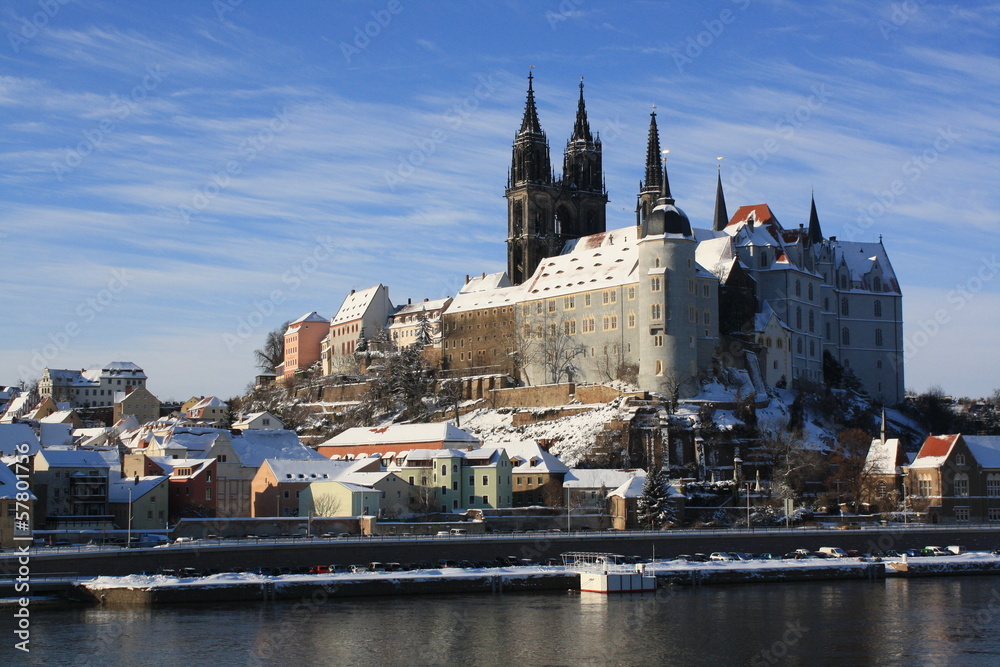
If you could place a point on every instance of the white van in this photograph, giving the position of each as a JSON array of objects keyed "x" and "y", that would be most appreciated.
[{"x": 833, "y": 552}]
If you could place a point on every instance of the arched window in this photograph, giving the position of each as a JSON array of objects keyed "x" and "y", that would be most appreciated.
[
  {"x": 843, "y": 282},
  {"x": 812, "y": 348},
  {"x": 798, "y": 317},
  {"x": 798, "y": 288},
  {"x": 763, "y": 259},
  {"x": 845, "y": 336},
  {"x": 810, "y": 291},
  {"x": 877, "y": 284},
  {"x": 798, "y": 346},
  {"x": 881, "y": 489},
  {"x": 844, "y": 310},
  {"x": 878, "y": 308},
  {"x": 878, "y": 338},
  {"x": 812, "y": 322},
  {"x": 961, "y": 485}
]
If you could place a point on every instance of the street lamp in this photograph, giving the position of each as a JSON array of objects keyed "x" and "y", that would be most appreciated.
[{"x": 128, "y": 543}]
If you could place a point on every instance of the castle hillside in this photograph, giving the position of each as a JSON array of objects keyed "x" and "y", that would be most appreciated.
[{"x": 661, "y": 303}]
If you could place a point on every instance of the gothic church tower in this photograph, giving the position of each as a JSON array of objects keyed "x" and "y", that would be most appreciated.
[{"x": 543, "y": 212}]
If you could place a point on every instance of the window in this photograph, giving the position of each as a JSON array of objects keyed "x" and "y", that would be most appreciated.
[
  {"x": 798, "y": 288},
  {"x": 486, "y": 480},
  {"x": 208, "y": 475},
  {"x": 486, "y": 500},
  {"x": 552, "y": 305},
  {"x": 654, "y": 284},
  {"x": 962, "y": 514},
  {"x": 798, "y": 346},
  {"x": 881, "y": 489},
  {"x": 828, "y": 331},
  {"x": 286, "y": 495},
  {"x": 654, "y": 311},
  {"x": 631, "y": 320},
  {"x": 878, "y": 338},
  {"x": 993, "y": 514},
  {"x": 798, "y": 318},
  {"x": 877, "y": 306},
  {"x": 960, "y": 459},
  {"x": 657, "y": 340},
  {"x": 993, "y": 485},
  {"x": 844, "y": 310},
  {"x": 631, "y": 293},
  {"x": 472, "y": 500},
  {"x": 924, "y": 486},
  {"x": 444, "y": 470},
  {"x": 659, "y": 367},
  {"x": 586, "y": 300},
  {"x": 569, "y": 327},
  {"x": 961, "y": 485},
  {"x": 810, "y": 291},
  {"x": 845, "y": 336},
  {"x": 812, "y": 322},
  {"x": 692, "y": 314},
  {"x": 208, "y": 494},
  {"x": 569, "y": 302},
  {"x": 706, "y": 318},
  {"x": 706, "y": 291},
  {"x": 454, "y": 485},
  {"x": 763, "y": 259},
  {"x": 877, "y": 284},
  {"x": 812, "y": 348}
]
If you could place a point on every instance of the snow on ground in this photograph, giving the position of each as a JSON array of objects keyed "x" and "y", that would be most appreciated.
[{"x": 574, "y": 434}]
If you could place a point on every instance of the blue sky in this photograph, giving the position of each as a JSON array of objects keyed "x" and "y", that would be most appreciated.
[{"x": 179, "y": 178}]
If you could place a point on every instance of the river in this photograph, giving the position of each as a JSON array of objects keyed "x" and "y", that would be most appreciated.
[{"x": 940, "y": 621}]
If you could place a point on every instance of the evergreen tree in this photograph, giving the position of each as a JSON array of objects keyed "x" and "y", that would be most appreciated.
[
  {"x": 655, "y": 508},
  {"x": 362, "y": 344},
  {"x": 424, "y": 335}
]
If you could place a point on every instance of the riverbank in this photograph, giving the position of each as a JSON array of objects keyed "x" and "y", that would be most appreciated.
[{"x": 232, "y": 587}]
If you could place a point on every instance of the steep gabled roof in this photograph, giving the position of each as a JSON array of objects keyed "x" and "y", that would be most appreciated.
[
  {"x": 402, "y": 433},
  {"x": 356, "y": 304},
  {"x": 935, "y": 451},
  {"x": 594, "y": 262}
]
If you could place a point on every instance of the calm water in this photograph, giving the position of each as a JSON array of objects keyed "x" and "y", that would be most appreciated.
[{"x": 952, "y": 621}]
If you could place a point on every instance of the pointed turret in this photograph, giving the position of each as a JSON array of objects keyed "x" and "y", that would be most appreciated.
[
  {"x": 581, "y": 128},
  {"x": 721, "y": 214},
  {"x": 815, "y": 233},
  {"x": 654, "y": 174},
  {"x": 530, "y": 124}
]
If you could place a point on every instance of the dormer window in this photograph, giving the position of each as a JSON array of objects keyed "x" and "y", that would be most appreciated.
[{"x": 960, "y": 459}]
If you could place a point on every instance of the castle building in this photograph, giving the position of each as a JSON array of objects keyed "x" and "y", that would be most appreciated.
[
  {"x": 664, "y": 303},
  {"x": 91, "y": 388}
]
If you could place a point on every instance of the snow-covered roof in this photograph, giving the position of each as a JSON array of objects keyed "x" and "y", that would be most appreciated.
[
  {"x": 986, "y": 449},
  {"x": 632, "y": 488},
  {"x": 12, "y": 435},
  {"x": 489, "y": 454},
  {"x": 308, "y": 317},
  {"x": 591, "y": 262},
  {"x": 56, "y": 417},
  {"x": 55, "y": 435},
  {"x": 402, "y": 433},
  {"x": 253, "y": 447},
  {"x": 73, "y": 458},
  {"x": 595, "y": 478},
  {"x": 860, "y": 258},
  {"x": 253, "y": 416},
  {"x": 18, "y": 406},
  {"x": 356, "y": 304},
  {"x": 764, "y": 316},
  {"x": 169, "y": 465},
  {"x": 715, "y": 254},
  {"x": 528, "y": 456},
  {"x": 883, "y": 457},
  {"x": 487, "y": 291},
  {"x": 8, "y": 486},
  {"x": 935, "y": 451},
  {"x": 208, "y": 402},
  {"x": 118, "y": 486},
  {"x": 418, "y": 307},
  {"x": 304, "y": 471}
]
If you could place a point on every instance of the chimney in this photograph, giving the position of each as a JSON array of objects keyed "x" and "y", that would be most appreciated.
[
  {"x": 136, "y": 479},
  {"x": 352, "y": 292},
  {"x": 426, "y": 299},
  {"x": 409, "y": 302},
  {"x": 484, "y": 274},
  {"x": 466, "y": 278}
]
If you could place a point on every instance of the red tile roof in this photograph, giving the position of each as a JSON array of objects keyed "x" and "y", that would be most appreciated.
[{"x": 937, "y": 445}]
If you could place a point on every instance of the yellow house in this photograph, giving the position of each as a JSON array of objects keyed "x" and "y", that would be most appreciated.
[
  {"x": 339, "y": 499},
  {"x": 140, "y": 403}
]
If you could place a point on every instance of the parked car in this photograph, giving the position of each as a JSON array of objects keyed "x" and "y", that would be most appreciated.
[
  {"x": 319, "y": 569},
  {"x": 936, "y": 551},
  {"x": 835, "y": 552},
  {"x": 722, "y": 556}
]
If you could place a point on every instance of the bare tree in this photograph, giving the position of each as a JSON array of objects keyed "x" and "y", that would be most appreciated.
[
  {"x": 519, "y": 344},
  {"x": 272, "y": 354},
  {"x": 325, "y": 505},
  {"x": 793, "y": 464},
  {"x": 558, "y": 348}
]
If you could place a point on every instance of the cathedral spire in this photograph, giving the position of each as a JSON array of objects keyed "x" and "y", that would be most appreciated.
[
  {"x": 815, "y": 233},
  {"x": 721, "y": 215},
  {"x": 654, "y": 173},
  {"x": 665, "y": 189},
  {"x": 530, "y": 123},
  {"x": 581, "y": 129}
]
